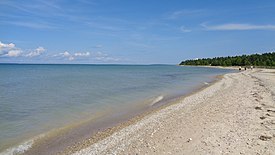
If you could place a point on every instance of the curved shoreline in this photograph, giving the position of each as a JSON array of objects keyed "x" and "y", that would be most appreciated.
[
  {"x": 101, "y": 135},
  {"x": 221, "y": 118},
  {"x": 41, "y": 145},
  {"x": 53, "y": 141}
]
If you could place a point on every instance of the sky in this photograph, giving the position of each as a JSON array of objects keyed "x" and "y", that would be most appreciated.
[{"x": 133, "y": 31}]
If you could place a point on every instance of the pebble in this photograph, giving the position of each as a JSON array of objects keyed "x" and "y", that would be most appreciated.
[
  {"x": 265, "y": 137},
  {"x": 189, "y": 140}
]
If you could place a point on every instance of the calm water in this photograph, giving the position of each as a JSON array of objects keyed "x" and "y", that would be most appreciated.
[{"x": 37, "y": 98}]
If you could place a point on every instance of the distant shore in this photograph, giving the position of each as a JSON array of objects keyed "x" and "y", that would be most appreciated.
[
  {"x": 221, "y": 67},
  {"x": 232, "y": 67},
  {"x": 234, "y": 115}
]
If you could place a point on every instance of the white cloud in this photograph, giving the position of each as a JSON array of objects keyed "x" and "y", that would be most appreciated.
[
  {"x": 92, "y": 56},
  {"x": 85, "y": 54},
  {"x": 107, "y": 59},
  {"x": 63, "y": 54},
  {"x": 6, "y": 46},
  {"x": 13, "y": 53},
  {"x": 71, "y": 58},
  {"x": 228, "y": 27},
  {"x": 36, "y": 52},
  {"x": 40, "y": 49},
  {"x": 66, "y": 55},
  {"x": 184, "y": 29},
  {"x": 9, "y": 50}
]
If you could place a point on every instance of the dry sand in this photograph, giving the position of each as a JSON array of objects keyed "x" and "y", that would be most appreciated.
[{"x": 235, "y": 115}]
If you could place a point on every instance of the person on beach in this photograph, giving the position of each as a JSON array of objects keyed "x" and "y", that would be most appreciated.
[
  {"x": 240, "y": 68},
  {"x": 251, "y": 67}
]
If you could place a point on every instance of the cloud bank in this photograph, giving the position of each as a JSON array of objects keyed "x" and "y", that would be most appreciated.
[
  {"x": 10, "y": 50},
  {"x": 99, "y": 56}
]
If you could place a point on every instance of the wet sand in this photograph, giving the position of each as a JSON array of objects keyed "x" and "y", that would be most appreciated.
[{"x": 235, "y": 115}]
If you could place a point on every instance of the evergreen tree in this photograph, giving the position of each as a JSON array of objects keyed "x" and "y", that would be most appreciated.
[{"x": 265, "y": 60}]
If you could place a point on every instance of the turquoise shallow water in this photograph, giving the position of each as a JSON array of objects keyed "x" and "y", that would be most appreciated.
[{"x": 37, "y": 98}]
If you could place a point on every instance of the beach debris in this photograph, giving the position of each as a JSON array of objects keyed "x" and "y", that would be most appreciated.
[
  {"x": 270, "y": 110},
  {"x": 262, "y": 117},
  {"x": 189, "y": 140},
  {"x": 258, "y": 108},
  {"x": 265, "y": 137}
]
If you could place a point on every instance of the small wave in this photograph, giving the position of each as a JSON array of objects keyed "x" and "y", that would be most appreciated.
[
  {"x": 18, "y": 149},
  {"x": 206, "y": 83},
  {"x": 21, "y": 148},
  {"x": 156, "y": 100}
]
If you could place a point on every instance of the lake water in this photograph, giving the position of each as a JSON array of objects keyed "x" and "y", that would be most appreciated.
[{"x": 35, "y": 99}]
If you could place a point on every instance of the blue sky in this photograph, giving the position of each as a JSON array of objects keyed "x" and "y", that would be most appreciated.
[{"x": 133, "y": 32}]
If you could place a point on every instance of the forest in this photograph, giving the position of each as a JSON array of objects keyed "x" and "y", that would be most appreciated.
[{"x": 260, "y": 60}]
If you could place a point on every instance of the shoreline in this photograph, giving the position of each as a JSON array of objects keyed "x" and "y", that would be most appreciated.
[
  {"x": 41, "y": 145},
  {"x": 101, "y": 135},
  {"x": 124, "y": 140},
  {"x": 126, "y": 123},
  {"x": 71, "y": 134}
]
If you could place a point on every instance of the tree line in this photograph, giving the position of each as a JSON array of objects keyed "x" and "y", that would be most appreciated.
[{"x": 265, "y": 60}]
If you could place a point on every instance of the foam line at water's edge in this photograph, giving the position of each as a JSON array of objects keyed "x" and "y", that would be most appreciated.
[
  {"x": 21, "y": 148},
  {"x": 156, "y": 100}
]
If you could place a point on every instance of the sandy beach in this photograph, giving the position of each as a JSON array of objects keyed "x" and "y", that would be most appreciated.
[{"x": 235, "y": 115}]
